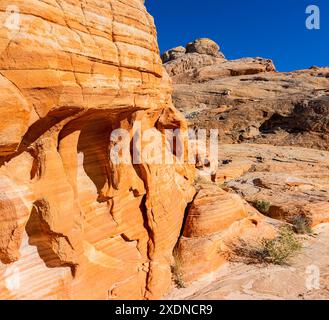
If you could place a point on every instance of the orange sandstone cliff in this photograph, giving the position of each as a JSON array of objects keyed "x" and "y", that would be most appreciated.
[{"x": 73, "y": 225}]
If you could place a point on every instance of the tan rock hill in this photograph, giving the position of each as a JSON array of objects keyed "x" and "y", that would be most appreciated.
[
  {"x": 248, "y": 101},
  {"x": 73, "y": 225}
]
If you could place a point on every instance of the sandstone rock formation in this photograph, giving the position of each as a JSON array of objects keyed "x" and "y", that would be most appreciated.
[
  {"x": 292, "y": 180},
  {"x": 248, "y": 101},
  {"x": 211, "y": 220},
  {"x": 214, "y": 221},
  {"x": 173, "y": 54},
  {"x": 74, "y": 225}
]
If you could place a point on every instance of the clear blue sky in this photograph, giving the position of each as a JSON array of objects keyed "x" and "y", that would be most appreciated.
[{"x": 247, "y": 28}]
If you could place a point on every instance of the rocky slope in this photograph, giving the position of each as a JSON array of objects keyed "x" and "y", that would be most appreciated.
[
  {"x": 74, "y": 225},
  {"x": 294, "y": 182},
  {"x": 248, "y": 101}
]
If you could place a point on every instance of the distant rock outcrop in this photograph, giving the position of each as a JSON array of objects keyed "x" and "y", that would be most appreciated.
[
  {"x": 173, "y": 54},
  {"x": 202, "y": 61},
  {"x": 248, "y": 101},
  {"x": 204, "y": 46}
]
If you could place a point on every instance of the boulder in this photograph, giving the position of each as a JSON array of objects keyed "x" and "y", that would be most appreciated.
[
  {"x": 213, "y": 210},
  {"x": 203, "y": 46},
  {"x": 173, "y": 54}
]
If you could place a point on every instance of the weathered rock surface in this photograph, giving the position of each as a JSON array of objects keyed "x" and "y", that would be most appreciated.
[
  {"x": 215, "y": 219},
  {"x": 173, "y": 54},
  {"x": 183, "y": 63},
  {"x": 212, "y": 211},
  {"x": 74, "y": 225},
  {"x": 248, "y": 101},
  {"x": 295, "y": 183},
  {"x": 293, "y": 180},
  {"x": 306, "y": 278}
]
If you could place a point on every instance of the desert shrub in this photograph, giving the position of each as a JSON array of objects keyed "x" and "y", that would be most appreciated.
[
  {"x": 176, "y": 271},
  {"x": 282, "y": 247},
  {"x": 242, "y": 251},
  {"x": 263, "y": 206},
  {"x": 301, "y": 224},
  {"x": 275, "y": 251},
  {"x": 199, "y": 180}
]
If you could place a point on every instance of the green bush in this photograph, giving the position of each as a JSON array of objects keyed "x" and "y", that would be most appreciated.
[
  {"x": 263, "y": 206},
  {"x": 275, "y": 251},
  {"x": 278, "y": 250}
]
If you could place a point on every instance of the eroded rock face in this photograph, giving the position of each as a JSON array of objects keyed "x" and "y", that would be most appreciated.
[
  {"x": 74, "y": 225},
  {"x": 183, "y": 63}
]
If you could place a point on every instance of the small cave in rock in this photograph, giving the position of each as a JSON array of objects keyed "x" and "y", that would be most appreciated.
[{"x": 276, "y": 122}]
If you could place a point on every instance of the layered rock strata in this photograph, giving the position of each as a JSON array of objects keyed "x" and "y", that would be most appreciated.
[{"x": 73, "y": 224}]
